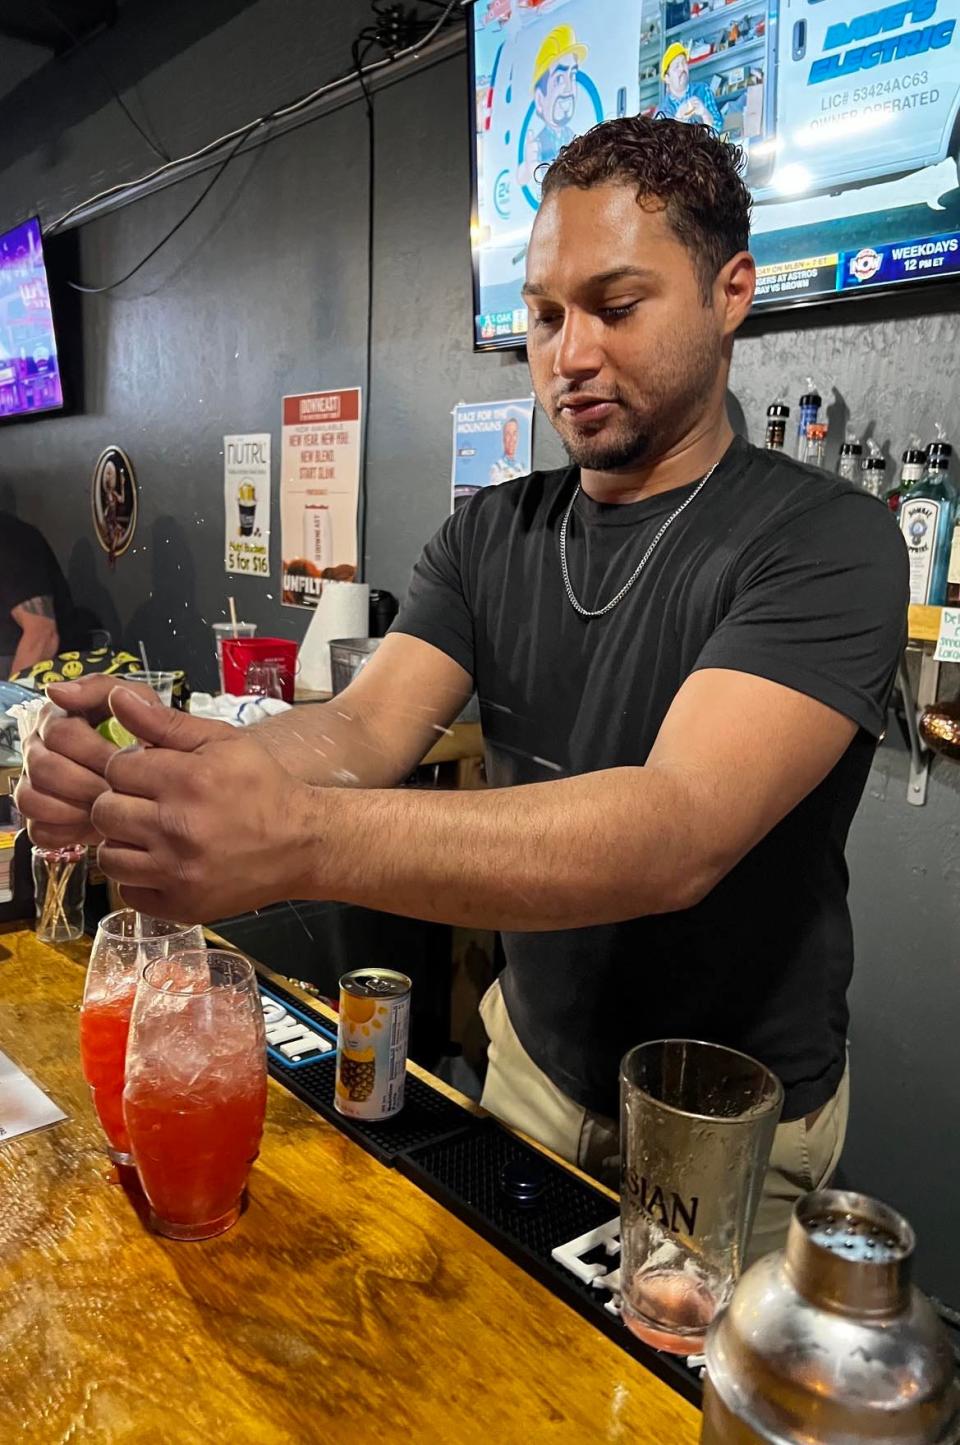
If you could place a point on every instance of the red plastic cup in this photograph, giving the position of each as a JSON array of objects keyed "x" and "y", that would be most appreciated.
[{"x": 239, "y": 652}]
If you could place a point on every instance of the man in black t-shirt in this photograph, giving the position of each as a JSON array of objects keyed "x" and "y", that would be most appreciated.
[
  {"x": 683, "y": 649},
  {"x": 36, "y": 611}
]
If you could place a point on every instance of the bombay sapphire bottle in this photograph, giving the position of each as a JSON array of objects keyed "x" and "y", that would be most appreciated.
[
  {"x": 911, "y": 472},
  {"x": 926, "y": 516}
]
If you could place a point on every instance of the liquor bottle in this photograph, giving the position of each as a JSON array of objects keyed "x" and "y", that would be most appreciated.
[
  {"x": 927, "y": 515},
  {"x": 848, "y": 466},
  {"x": 873, "y": 471},
  {"x": 911, "y": 471},
  {"x": 814, "y": 444},
  {"x": 810, "y": 404},
  {"x": 777, "y": 414}
]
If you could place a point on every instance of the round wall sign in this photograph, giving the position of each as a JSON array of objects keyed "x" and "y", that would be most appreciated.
[{"x": 113, "y": 500}]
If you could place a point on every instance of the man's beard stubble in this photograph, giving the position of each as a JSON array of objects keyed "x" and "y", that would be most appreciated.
[
  {"x": 640, "y": 437},
  {"x": 632, "y": 447}
]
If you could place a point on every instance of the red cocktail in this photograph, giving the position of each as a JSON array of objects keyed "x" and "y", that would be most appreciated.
[
  {"x": 104, "y": 1025},
  {"x": 194, "y": 1150},
  {"x": 196, "y": 1089},
  {"x": 125, "y": 943}
]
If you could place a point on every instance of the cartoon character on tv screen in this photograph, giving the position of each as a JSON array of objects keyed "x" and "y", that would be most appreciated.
[
  {"x": 556, "y": 72},
  {"x": 693, "y": 104}
]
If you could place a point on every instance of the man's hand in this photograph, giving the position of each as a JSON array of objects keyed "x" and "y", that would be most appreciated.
[
  {"x": 64, "y": 762},
  {"x": 202, "y": 823}
]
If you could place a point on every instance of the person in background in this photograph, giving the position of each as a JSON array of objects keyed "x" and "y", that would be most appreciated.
[
  {"x": 37, "y": 617},
  {"x": 692, "y": 104},
  {"x": 683, "y": 648}
]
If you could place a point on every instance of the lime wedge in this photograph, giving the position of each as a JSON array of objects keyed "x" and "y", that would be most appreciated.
[{"x": 115, "y": 732}]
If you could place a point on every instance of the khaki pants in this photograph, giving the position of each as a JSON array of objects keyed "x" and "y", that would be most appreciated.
[{"x": 804, "y": 1156}]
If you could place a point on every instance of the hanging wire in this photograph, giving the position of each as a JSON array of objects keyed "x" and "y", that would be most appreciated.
[
  {"x": 58, "y": 20},
  {"x": 358, "y": 59},
  {"x": 112, "y": 285},
  {"x": 243, "y": 131}
]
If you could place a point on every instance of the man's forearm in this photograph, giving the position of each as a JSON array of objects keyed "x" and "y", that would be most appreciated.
[
  {"x": 36, "y": 644},
  {"x": 331, "y": 744},
  {"x": 588, "y": 850},
  {"x": 374, "y": 733}
]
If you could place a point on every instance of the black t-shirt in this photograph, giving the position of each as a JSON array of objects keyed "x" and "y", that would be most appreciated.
[
  {"x": 775, "y": 570},
  {"x": 28, "y": 569}
]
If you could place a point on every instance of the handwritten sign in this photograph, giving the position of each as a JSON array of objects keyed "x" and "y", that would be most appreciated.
[{"x": 948, "y": 641}]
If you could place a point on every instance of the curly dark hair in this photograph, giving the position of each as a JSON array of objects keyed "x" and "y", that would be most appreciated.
[{"x": 686, "y": 170}]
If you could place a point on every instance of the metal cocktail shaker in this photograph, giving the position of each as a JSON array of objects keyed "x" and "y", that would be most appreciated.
[{"x": 828, "y": 1343}]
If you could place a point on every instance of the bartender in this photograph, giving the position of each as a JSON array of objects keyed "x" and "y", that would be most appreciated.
[{"x": 683, "y": 648}]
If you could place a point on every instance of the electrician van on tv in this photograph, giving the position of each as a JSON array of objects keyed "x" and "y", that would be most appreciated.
[{"x": 864, "y": 93}]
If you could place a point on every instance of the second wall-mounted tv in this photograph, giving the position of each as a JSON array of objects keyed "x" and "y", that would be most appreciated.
[
  {"x": 30, "y": 379},
  {"x": 848, "y": 112}
]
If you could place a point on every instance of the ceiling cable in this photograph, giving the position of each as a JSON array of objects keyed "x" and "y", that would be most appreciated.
[{"x": 245, "y": 131}]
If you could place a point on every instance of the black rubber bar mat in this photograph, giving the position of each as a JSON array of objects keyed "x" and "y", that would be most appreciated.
[
  {"x": 542, "y": 1207},
  {"x": 511, "y": 1194},
  {"x": 309, "y": 1070}
]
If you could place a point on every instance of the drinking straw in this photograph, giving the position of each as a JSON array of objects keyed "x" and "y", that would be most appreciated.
[
  {"x": 233, "y": 614},
  {"x": 143, "y": 656}
]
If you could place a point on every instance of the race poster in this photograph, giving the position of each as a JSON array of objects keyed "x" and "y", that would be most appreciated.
[
  {"x": 319, "y": 491},
  {"x": 492, "y": 443},
  {"x": 846, "y": 114},
  {"x": 246, "y": 502}
]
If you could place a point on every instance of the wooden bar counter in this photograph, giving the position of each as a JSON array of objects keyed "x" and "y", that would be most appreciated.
[{"x": 346, "y": 1305}]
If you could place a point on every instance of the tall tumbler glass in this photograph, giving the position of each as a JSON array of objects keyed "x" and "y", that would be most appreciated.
[
  {"x": 696, "y": 1128},
  {"x": 196, "y": 1089},
  {"x": 230, "y": 629},
  {"x": 126, "y": 942}
]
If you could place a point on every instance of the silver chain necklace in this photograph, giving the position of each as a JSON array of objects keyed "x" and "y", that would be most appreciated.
[{"x": 600, "y": 611}]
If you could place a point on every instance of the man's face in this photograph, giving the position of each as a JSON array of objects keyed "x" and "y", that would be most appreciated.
[
  {"x": 557, "y": 102},
  {"x": 511, "y": 436},
  {"x": 624, "y": 354},
  {"x": 678, "y": 77}
]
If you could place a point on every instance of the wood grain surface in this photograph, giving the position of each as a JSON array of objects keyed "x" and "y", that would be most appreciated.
[{"x": 344, "y": 1306}]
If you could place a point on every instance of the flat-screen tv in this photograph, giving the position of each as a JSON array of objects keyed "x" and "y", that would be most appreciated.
[
  {"x": 848, "y": 112},
  {"x": 30, "y": 380}
]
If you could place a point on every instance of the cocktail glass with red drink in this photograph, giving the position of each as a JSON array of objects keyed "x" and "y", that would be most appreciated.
[
  {"x": 196, "y": 1089},
  {"x": 125, "y": 943}
]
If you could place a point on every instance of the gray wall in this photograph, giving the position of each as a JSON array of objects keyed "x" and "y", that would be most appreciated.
[{"x": 263, "y": 292}]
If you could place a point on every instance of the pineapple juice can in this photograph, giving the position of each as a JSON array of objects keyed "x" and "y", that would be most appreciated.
[{"x": 372, "y": 1037}]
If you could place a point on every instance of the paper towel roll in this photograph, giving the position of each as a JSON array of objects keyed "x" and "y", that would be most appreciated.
[{"x": 343, "y": 611}]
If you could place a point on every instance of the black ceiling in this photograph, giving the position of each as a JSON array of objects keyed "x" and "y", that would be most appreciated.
[{"x": 56, "y": 26}]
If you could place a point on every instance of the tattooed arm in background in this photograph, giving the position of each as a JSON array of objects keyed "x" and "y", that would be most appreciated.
[{"x": 39, "y": 637}]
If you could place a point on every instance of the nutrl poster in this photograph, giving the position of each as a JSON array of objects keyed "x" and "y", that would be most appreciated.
[
  {"x": 492, "y": 443},
  {"x": 319, "y": 488},
  {"x": 246, "y": 501}
]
